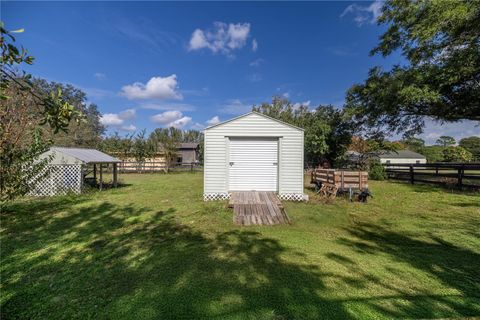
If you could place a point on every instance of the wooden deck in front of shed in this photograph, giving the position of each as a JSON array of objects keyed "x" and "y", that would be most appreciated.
[{"x": 257, "y": 208}]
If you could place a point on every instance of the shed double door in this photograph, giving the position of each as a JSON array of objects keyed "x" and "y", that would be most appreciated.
[{"x": 253, "y": 164}]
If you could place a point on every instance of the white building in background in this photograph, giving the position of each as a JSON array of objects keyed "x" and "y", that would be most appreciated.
[{"x": 401, "y": 157}]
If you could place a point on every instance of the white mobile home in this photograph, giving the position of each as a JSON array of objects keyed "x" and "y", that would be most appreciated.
[
  {"x": 401, "y": 157},
  {"x": 253, "y": 152}
]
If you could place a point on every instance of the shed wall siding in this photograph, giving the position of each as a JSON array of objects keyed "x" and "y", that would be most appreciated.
[{"x": 253, "y": 125}]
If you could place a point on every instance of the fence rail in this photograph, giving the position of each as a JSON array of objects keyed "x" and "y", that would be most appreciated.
[
  {"x": 152, "y": 167},
  {"x": 460, "y": 175}
]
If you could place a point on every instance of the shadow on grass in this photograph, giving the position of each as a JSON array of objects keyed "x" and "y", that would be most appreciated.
[
  {"x": 474, "y": 203},
  {"x": 455, "y": 267},
  {"x": 112, "y": 261}
]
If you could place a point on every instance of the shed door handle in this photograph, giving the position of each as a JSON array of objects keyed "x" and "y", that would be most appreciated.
[{"x": 231, "y": 163}]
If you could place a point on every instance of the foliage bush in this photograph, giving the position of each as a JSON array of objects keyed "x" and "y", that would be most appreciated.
[
  {"x": 433, "y": 153},
  {"x": 457, "y": 154},
  {"x": 377, "y": 171}
]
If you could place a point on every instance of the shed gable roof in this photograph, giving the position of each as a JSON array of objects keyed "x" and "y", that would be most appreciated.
[
  {"x": 401, "y": 154},
  {"x": 256, "y": 113},
  {"x": 86, "y": 155}
]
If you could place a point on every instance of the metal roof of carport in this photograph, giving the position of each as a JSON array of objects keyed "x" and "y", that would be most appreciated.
[{"x": 87, "y": 155}]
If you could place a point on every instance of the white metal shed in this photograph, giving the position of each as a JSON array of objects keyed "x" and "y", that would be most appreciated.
[{"x": 253, "y": 152}]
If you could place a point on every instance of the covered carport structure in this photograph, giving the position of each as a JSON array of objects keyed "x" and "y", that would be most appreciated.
[{"x": 68, "y": 168}]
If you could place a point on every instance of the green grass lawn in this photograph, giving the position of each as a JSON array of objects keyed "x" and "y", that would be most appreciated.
[{"x": 154, "y": 250}]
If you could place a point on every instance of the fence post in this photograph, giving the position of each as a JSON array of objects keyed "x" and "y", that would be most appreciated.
[
  {"x": 412, "y": 177},
  {"x": 101, "y": 176},
  {"x": 460, "y": 177}
]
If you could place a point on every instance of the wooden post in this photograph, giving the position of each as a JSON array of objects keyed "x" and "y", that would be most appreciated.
[
  {"x": 412, "y": 177},
  {"x": 95, "y": 172},
  {"x": 115, "y": 171},
  {"x": 101, "y": 176},
  {"x": 460, "y": 177}
]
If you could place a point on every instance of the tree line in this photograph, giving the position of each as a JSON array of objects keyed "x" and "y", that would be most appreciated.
[
  {"x": 164, "y": 141},
  {"x": 446, "y": 150}
]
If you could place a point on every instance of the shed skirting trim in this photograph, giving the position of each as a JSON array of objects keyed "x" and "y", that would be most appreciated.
[
  {"x": 293, "y": 197},
  {"x": 283, "y": 196},
  {"x": 216, "y": 196}
]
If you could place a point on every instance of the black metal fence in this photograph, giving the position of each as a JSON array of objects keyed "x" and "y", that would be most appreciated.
[{"x": 459, "y": 175}]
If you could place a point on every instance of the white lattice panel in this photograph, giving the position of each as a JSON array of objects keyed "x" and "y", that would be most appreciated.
[
  {"x": 292, "y": 197},
  {"x": 60, "y": 180},
  {"x": 215, "y": 196}
]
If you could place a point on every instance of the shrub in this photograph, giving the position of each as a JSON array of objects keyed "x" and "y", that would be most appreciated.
[
  {"x": 457, "y": 154},
  {"x": 377, "y": 171}
]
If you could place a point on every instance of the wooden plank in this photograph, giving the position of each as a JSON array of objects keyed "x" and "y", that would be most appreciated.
[
  {"x": 267, "y": 216},
  {"x": 272, "y": 213},
  {"x": 279, "y": 215},
  {"x": 254, "y": 218},
  {"x": 257, "y": 208},
  {"x": 248, "y": 220}
]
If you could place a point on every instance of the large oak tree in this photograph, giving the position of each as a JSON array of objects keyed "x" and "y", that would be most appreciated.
[{"x": 441, "y": 79}]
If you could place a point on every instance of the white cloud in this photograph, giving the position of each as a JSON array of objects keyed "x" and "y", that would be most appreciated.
[
  {"x": 213, "y": 121},
  {"x": 364, "y": 14},
  {"x": 117, "y": 120},
  {"x": 299, "y": 104},
  {"x": 168, "y": 106},
  {"x": 198, "y": 40},
  {"x": 171, "y": 118},
  {"x": 155, "y": 88},
  {"x": 100, "y": 76},
  {"x": 111, "y": 119},
  {"x": 197, "y": 126},
  {"x": 223, "y": 38},
  {"x": 235, "y": 107},
  {"x": 129, "y": 128},
  {"x": 180, "y": 123},
  {"x": 256, "y": 63},
  {"x": 434, "y": 129},
  {"x": 166, "y": 117},
  {"x": 286, "y": 95},
  {"x": 462, "y": 129},
  {"x": 254, "y": 45},
  {"x": 128, "y": 114}
]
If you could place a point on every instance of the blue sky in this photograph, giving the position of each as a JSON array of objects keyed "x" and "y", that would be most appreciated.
[{"x": 154, "y": 64}]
